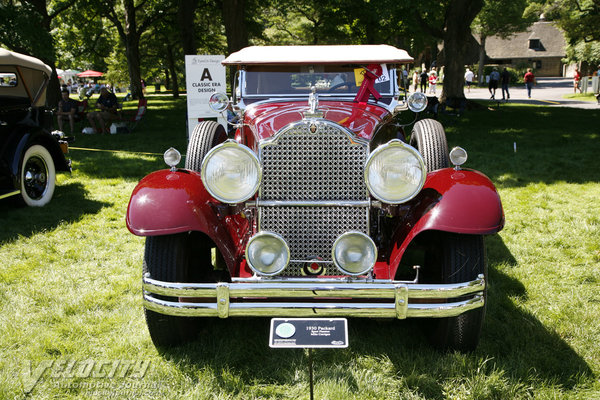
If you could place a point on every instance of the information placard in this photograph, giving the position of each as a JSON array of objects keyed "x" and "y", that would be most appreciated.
[
  {"x": 308, "y": 333},
  {"x": 204, "y": 75}
]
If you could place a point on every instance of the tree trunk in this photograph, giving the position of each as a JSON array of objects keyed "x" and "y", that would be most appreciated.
[
  {"x": 172, "y": 68},
  {"x": 459, "y": 15},
  {"x": 235, "y": 30},
  {"x": 480, "y": 77},
  {"x": 167, "y": 79},
  {"x": 132, "y": 50},
  {"x": 186, "y": 11}
]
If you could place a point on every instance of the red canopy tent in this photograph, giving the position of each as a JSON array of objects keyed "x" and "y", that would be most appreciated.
[{"x": 90, "y": 74}]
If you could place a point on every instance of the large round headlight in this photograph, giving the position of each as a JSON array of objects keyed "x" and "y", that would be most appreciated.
[
  {"x": 231, "y": 172},
  {"x": 395, "y": 172},
  {"x": 267, "y": 253},
  {"x": 417, "y": 102}
]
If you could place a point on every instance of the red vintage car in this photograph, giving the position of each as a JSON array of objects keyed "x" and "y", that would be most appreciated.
[{"x": 317, "y": 202}]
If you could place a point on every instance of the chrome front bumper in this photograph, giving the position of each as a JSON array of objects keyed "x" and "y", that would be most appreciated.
[{"x": 310, "y": 298}]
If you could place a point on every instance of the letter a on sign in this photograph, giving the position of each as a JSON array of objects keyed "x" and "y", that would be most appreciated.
[{"x": 206, "y": 75}]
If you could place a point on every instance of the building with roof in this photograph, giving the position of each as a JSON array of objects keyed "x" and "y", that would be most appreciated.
[{"x": 542, "y": 46}]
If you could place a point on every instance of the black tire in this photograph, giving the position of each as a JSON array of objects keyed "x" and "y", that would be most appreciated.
[
  {"x": 37, "y": 177},
  {"x": 429, "y": 138},
  {"x": 462, "y": 259},
  {"x": 183, "y": 257},
  {"x": 206, "y": 135}
]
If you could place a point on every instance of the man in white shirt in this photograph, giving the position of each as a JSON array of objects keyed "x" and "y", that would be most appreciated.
[{"x": 469, "y": 76}]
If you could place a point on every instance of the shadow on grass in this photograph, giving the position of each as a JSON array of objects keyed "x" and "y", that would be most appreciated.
[
  {"x": 514, "y": 343},
  {"x": 69, "y": 204}
]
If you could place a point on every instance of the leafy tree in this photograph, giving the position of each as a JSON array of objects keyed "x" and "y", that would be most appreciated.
[
  {"x": 131, "y": 19},
  {"x": 449, "y": 21},
  {"x": 499, "y": 17},
  {"x": 26, "y": 26},
  {"x": 580, "y": 20}
]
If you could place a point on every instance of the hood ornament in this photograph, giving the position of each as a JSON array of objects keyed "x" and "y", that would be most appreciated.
[{"x": 313, "y": 105}]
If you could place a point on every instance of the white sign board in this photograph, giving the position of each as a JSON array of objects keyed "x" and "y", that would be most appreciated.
[{"x": 204, "y": 75}]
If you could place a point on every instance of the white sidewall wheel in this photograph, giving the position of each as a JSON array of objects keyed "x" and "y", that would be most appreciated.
[{"x": 37, "y": 176}]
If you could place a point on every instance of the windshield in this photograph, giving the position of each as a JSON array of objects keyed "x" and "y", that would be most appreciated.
[{"x": 334, "y": 80}]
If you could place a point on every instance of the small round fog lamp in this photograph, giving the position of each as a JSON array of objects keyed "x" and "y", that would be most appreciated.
[
  {"x": 267, "y": 253},
  {"x": 354, "y": 253},
  {"x": 417, "y": 102},
  {"x": 172, "y": 157},
  {"x": 218, "y": 102},
  {"x": 458, "y": 156}
]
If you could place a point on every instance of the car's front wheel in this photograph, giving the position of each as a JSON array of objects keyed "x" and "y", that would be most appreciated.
[
  {"x": 461, "y": 258},
  {"x": 205, "y": 136},
  {"x": 428, "y": 136},
  {"x": 37, "y": 176}
]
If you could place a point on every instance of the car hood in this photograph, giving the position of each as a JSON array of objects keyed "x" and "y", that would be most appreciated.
[{"x": 266, "y": 119}]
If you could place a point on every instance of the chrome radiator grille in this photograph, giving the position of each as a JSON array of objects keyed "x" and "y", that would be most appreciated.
[{"x": 326, "y": 165}]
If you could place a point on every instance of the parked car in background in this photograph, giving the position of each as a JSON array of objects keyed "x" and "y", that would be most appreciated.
[
  {"x": 320, "y": 203},
  {"x": 30, "y": 155}
]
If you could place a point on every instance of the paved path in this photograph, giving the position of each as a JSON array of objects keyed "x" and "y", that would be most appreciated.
[{"x": 548, "y": 91}]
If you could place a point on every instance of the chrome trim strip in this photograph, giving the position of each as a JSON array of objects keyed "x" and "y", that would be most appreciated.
[
  {"x": 10, "y": 194},
  {"x": 312, "y": 203},
  {"x": 392, "y": 299},
  {"x": 368, "y": 310}
]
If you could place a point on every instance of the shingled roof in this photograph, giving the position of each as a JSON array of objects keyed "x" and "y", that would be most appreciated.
[{"x": 551, "y": 39}]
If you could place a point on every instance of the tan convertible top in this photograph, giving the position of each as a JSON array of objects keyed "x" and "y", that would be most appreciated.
[
  {"x": 346, "y": 54},
  {"x": 12, "y": 58}
]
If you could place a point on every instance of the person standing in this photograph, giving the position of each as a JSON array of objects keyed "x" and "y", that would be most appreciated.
[
  {"x": 432, "y": 80},
  {"x": 529, "y": 79},
  {"x": 504, "y": 81},
  {"x": 415, "y": 80},
  {"x": 424, "y": 79},
  {"x": 493, "y": 84},
  {"x": 576, "y": 81},
  {"x": 469, "y": 76}
]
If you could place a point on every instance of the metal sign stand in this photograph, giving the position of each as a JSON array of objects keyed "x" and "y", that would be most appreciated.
[
  {"x": 309, "y": 333},
  {"x": 310, "y": 373}
]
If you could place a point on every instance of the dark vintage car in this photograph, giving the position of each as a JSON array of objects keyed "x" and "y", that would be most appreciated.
[
  {"x": 318, "y": 204},
  {"x": 30, "y": 155}
]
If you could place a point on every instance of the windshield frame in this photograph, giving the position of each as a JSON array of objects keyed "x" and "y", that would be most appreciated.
[{"x": 247, "y": 73}]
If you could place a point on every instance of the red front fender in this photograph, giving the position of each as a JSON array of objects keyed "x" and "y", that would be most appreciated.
[
  {"x": 166, "y": 202},
  {"x": 463, "y": 201}
]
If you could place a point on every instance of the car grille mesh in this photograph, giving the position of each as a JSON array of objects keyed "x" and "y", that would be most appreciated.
[{"x": 326, "y": 165}]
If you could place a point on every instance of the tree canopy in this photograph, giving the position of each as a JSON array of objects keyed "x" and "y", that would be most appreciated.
[{"x": 135, "y": 39}]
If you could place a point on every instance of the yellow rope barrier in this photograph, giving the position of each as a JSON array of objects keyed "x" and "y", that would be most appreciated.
[{"x": 115, "y": 151}]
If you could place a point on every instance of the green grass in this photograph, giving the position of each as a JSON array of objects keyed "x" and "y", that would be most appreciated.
[
  {"x": 70, "y": 288},
  {"x": 581, "y": 96}
]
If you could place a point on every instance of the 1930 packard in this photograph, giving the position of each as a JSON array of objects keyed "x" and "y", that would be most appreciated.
[
  {"x": 317, "y": 204},
  {"x": 29, "y": 154}
]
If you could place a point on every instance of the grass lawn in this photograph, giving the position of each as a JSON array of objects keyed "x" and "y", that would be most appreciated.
[
  {"x": 72, "y": 325},
  {"x": 581, "y": 96}
]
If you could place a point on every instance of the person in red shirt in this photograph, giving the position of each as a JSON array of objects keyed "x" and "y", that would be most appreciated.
[
  {"x": 576, "y": 80},
  {"x": 529, "y": 79}
]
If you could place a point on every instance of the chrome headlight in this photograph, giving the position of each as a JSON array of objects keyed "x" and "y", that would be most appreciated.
[
  {"x": 417, "y": 102},
  {"x": 172, "y": 157},
  {"x": 218, "y": 102},
  {"x": 395, "y": 172},
  {"x": 231, "y": 172},
  {"x": 354, "y": 253},
  {"x": 267, "y": 253}
]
